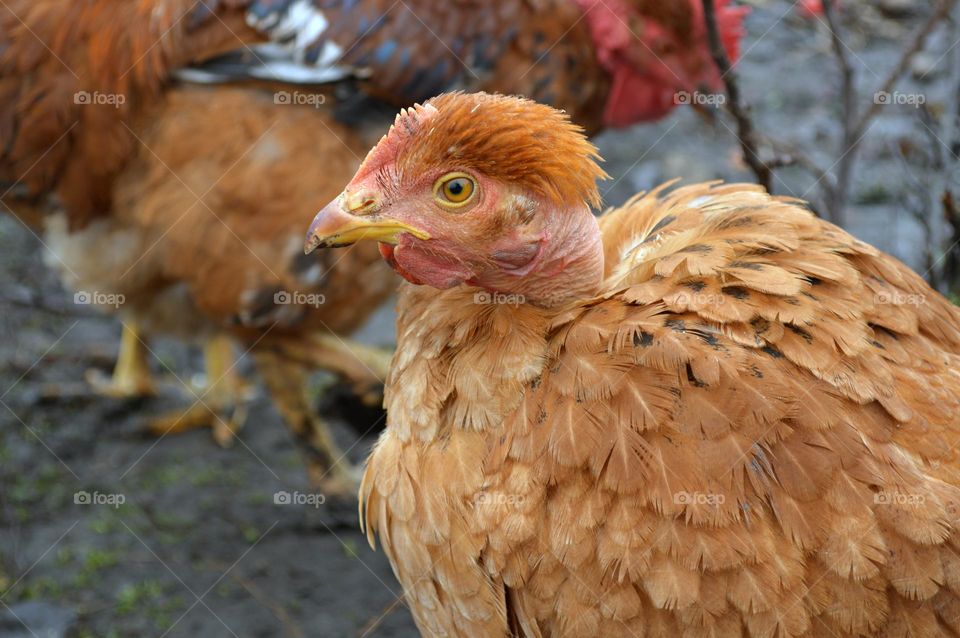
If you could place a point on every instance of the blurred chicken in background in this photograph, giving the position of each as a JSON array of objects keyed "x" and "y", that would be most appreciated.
[{"x": 170, "y": 151}]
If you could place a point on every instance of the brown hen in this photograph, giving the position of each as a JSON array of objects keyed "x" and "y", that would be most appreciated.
[
  {"x": 149, "y": 197},
  {"x": 180, "y": 199},
  {"x": 708, "y": 413}
]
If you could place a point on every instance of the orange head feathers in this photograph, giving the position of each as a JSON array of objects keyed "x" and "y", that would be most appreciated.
[
  {"x": 510, "y": 139},
  {"x": 488, "y": 190}
]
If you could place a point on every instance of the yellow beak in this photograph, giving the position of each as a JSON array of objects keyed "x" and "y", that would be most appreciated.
[{"x": 334, "y": 227}]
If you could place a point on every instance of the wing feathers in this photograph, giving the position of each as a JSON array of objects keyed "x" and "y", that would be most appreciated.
[{"x": 752, "y": 429}]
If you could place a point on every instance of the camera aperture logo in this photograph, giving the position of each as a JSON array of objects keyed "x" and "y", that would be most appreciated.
[
  {"x": 916, "y": 100},
  {"x": 299, "y": 98},
  {"x": 498, "y": 499},
  {"x": 299, "y": 498},
  {"x": 693, "y": 299},
  {"x": 698, "y": 498},
  {"x": 486, "y": 298},
  {"x": 899, "y": 298},
  {"x": 297, "y": 298},
  {"x": 699, "y": 99},
  {"x": 898, "y": 498},
  {"x": 116, "y": 100},
  {"x": 98, "y": 498},
  {"x": 97, "y": 298}
]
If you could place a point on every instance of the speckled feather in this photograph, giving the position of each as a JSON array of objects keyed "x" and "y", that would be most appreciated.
[{"x": 750, "y": 431}]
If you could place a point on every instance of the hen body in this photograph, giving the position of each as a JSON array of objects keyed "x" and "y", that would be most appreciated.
[
  {"x": 182, "y": 198},
  {"x": 198, "y": 246},
  {"x": 749, "y": 429}
]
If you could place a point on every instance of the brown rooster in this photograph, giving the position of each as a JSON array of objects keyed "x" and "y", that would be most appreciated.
[
  {"x": 707, "y": 413},
  {"x": 180, "y": 198}
]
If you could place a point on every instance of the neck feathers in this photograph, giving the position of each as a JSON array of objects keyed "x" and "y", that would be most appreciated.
[{"x": 462, "y": 360}]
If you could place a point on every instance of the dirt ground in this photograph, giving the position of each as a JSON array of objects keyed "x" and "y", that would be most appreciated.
[{"x": 198, "y": 546}]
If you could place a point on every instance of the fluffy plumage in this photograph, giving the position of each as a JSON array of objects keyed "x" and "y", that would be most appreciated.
[{"x": 748, "y": 427}]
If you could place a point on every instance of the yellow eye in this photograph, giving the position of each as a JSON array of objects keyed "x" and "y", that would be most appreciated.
[{"x": 454, "y": 190}]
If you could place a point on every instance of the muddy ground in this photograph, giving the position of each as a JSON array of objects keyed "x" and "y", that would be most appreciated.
[{"x": 198, "y": 547}]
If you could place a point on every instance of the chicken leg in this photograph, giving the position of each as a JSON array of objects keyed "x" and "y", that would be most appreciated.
[
  {"x": 220, "y": 405},
  {"x": 364, "y": 367},
  {"x": 131, "y": 376},
  {"x": 327, "y": 466}
]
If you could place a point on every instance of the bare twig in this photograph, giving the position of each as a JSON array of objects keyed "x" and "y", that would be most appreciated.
[
  {"x": 948, "y": 146},
  {"x": 916, "y": 45},
  {"x": 837, "y": 195},
  {"x": 746, "y": 132},
  {"x": 790, "y": 155},
  {"x": 951, "y": 269},
  {"x": 854, "y": 128}
]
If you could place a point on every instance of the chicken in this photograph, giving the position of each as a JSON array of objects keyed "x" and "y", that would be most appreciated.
[
  {"x": 606, "y": 62},
  {"x": 707, "y": 413},
  {"x": 194, "y": 188}
]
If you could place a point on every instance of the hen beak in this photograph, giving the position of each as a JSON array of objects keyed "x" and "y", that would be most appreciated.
[{"x": 334, "y": 227}]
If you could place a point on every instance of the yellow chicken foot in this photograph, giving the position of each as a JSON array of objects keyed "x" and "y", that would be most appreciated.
[
  {"x": 220, "y": 405},
  {"x": 327, "y": 466},
  {"x": 131, "y": 376}
]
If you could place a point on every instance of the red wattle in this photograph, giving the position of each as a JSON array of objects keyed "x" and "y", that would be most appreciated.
[{"x": 387, "y": 252}]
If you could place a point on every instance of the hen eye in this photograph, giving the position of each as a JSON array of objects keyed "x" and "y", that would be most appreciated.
[{"x": 454, "y": 189}]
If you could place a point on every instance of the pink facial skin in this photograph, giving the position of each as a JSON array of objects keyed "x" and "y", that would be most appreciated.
[{"x": 452, "y": 256}]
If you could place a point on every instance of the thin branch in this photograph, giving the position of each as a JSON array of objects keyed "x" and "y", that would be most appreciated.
[
  {"x": 916, "y": 45},
  {"x": 947, "y": 148},
  {"x": 746, "y": 132},
  {"x": 837, "y": 196},
  {"x": 786, "y": 154},
  {"x": 855, "y": 128}
]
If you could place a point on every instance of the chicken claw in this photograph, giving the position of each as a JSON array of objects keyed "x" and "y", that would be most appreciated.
[
  {"x": 221, "y": 405},
  {"x": 131, "y": 376}
]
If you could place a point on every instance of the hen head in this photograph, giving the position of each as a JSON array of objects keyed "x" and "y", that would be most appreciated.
[
  {"x": 655, "y": 51},
  {"x": 487, "y": 190}
]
